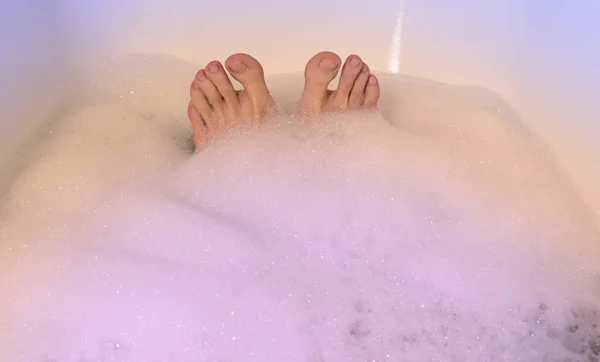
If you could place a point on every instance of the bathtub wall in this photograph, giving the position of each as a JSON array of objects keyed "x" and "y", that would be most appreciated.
[
  {"x": 36, "y": 54},
  {"x": 542, "y": 56}
]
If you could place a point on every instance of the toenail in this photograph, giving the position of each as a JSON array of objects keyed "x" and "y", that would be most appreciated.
[
  {"x": 372, "y": 80},
  {"x": 201, "y": 74},
  {"x": 238, "y": 67},
  {"x": 328, "y": 64},
  {"x": 365, "y": 68},
  {"x": 355, "y": 62},
  {"x": 213, "y": 68}
]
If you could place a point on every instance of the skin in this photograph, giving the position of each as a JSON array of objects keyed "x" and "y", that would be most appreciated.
[{"x": 216, "y": 106}]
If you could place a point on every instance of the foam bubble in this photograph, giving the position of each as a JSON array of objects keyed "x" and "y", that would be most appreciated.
[{"x": 441, "y": 230}]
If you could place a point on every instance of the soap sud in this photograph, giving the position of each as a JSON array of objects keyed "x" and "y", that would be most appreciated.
[{"x": 440, "y": 231}]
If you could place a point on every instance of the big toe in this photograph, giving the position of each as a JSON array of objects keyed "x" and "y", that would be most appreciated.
[
  {"x": 321, "y": 69},
  {"x": 319, "y": 72},
  {"x": 249, "y": 72}
]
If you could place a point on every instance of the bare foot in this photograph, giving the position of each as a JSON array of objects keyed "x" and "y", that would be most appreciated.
[
  {"x": 357, "y": 88},
  {"x": 216, "y": 106}
]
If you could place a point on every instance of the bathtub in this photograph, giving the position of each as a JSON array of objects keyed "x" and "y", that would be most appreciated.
[{"x": 540, "y": 57}]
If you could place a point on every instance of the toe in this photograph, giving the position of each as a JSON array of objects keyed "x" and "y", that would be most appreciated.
[
  {"x": 319, "y": 72},
  {"x": 210, "y": 90},
  {"x": 356, "y": 94},
  {"x": 216, "y": 74},
  {"x": 201, "y": 104},
  {"x": 199, "y": 100},
  {"x": 248, "y": 71},
  {"x": 372, "y": 92},
  {"x": 352, "y": 68},
  {"x": 321, "y": 69},
  {"x": 200, "y": 131}
]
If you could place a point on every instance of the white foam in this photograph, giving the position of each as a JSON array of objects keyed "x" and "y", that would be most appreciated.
[{"x": 441, "y": 231}]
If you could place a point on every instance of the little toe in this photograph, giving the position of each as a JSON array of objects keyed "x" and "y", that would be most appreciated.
[
  {"x": 200, "y": 131},
  {"x": 372, "y": 92}
]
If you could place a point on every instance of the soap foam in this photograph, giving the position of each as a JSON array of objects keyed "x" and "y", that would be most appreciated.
[{"x": 437, "y": 230}]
